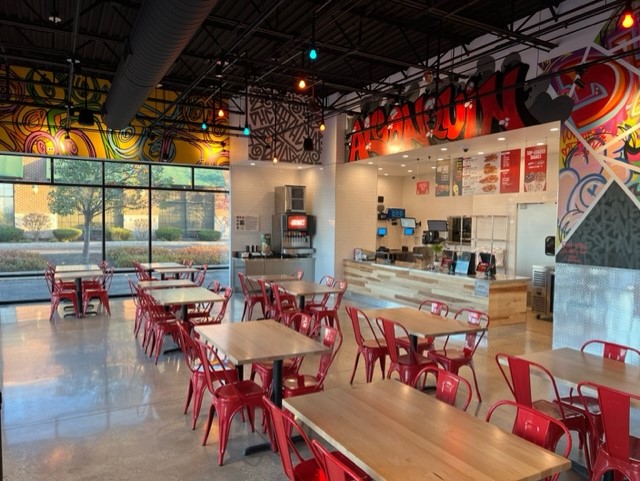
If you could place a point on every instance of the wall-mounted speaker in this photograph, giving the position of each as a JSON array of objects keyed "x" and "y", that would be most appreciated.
[
  {"x": 307, "y": 144},
  {"x": 381, "y": 199}
]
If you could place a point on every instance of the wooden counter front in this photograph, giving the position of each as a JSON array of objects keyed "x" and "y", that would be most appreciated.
[{"x": 504, "y": 298}]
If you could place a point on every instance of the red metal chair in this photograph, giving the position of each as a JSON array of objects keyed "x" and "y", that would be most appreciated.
[
  {"x": 160, "y": 324},
  {"x": 371, "y": 350},
  {"x": 588, "y": 405},
  {"x": 284, "y": 304},
  {"x": 59, "y": 292},
  {"x": 98, "y": 289},
  {"x": 453, "y": 359},
  {"x": 313, "y": 301},
  {"x": 334, "y": 465},
  {"x": 435, "y": 307},
  {"x": 295, "y": 466},
  {"x": 215, "y": 286},
  {"x": 252, "y": 296},
  {"x": 137, "y": 322},
  {"x": 406, "y": 365},
  {"x": 197, "y": 381},
  {"x": 298, "y": 274},
  {"x": 299, "y": 384},
  {"x": 447, "y": 386},
  {"x": 230, "y": 398},
  {"x": 329, "y": 314},
  {"x": 536, "y": 427},
  {"x": 267, "y": 300},
  {"x": 202, "y": 273},
  {"x": 290, "y": 367},
  {"x": 519, "y": 383},
  {"x": 619, "y": 451},
  {"x": 206, "y": 313}
]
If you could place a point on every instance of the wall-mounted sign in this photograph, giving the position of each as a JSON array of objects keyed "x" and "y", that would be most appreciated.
[
  {"x": 443, "y": 179},
  {"x": 510, "y": 171},
  {"x": 480, "y": 174},
  {"x": 422, "y": 187},
  {"x": 535, "y": 168},
  {"x": 248, "y": 223}
]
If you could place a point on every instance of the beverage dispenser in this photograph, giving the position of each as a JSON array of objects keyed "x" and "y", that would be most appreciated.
[{"x": 291, "y": 234}]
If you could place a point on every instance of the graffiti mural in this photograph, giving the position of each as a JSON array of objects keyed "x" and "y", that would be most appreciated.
[
  {"x": 489, "y": 102},
  {"x": 34, "y": 119},
  {"x": 296, "y": 119},
  {"x": 599, "y": 142}
]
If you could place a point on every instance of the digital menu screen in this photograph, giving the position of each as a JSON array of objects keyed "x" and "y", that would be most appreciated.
[{"x": 297, "y": 222}]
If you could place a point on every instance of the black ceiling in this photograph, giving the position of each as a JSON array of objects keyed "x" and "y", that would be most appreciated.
[{"x": 264, "y": 42}]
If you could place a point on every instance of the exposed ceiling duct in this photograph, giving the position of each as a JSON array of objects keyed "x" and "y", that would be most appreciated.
[{"x": 162, "y": 30}]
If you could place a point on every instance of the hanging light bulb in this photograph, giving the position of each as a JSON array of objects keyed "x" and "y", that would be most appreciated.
[
  {"x": 203, "y": 125},
  {"x": 246, "y": 130},
  {"x": 220, "y": 112},
  {"x": 322, "y": 126},
  {"x": 302, "y": 84},
  {"x": 628, "y": 19},
  {"x": 313, "y": 53}
]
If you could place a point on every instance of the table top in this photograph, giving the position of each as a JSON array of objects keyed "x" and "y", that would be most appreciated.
[
  {"x": 571, "y": 366},
  {"x": 307, "y": 288},
  {"x": 159, "y": 265},
  {"x": 424, "y": 323},
  {"x": 273, "y": 278},
  {"x": 168, "y": 284},
  {"x": 77, "y": 268},
  {"x": 258, "y": 341},
  {"x": 394, "y": 432},
  {"x": 79, "y": 274},
  {"x": 175, "y": 269},
  {"x": 184, "y": 295}
]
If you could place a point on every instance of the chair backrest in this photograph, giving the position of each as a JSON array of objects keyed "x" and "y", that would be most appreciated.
[
  {"x": 611, "y": 350},
  {"x": 434, "y": 307},
  {"x": 266, "y": 298},
  {"x": 330, "y": 337},
  {"x": 342, "y": 285},
  {"x": 215, "y": 286},
  {"x": 298, "y": 274},
  {"x": 519, "y": 378},
  {"x": 49, "y": 276},
  {"x": 327, "y": 280},
  {"x": 358, "y": 318},
  {"x": 391, "y": 331},
  {"x": 133, "y": 287},
  {"x": 244, "y": 284},
  {"x": 108, "y": 277},
  {"x": 447, "y": 385},
  {"x": 615, "y": 418},
  {"x": 215, "y": 368},
  {"x": 536, "y": 427},
  {"x": 278, "y": 305},
  {"x": 333, "y": 467},
  {"x": 475, "y": 318},
  {"x": 187, "y": 262},
  {"x": 306, "y": 324},
  {"x": 202, "y": 273},
  {"x": 190, "y": 348},
  {"x": 284, "y": 427},
  {"x": 228, "y": 292}
]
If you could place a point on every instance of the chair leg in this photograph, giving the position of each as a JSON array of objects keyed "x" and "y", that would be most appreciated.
[
  {"x": 244, "y": 311},
  {"x": 189, "y": 395},
  {"x": 207, "y": 427},
  {"x": 355, "y": 366},
  {"x": 475, "y": 381},
  {"x": 383, "y": 361}
]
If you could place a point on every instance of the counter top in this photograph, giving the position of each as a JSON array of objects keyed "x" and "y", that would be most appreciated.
[{"x": 417, "y": 267}]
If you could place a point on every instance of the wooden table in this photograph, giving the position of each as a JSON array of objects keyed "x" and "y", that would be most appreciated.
[
  {"x": 307, "y": 288},
  {"x": 150, "y": 266},
  {"x": 278, "y": 278},
  {"x": 184, "y": 297},
  {"x": 168, "y": 284},
  {"x": 77, "y": 272},
  {"x": 260, "y": 341},
  {"x": 396, "y": 433},
  {"x": 180, "y": 269},
  {"x": 423, "y": 323},
  {"x": 571, "y": 366}
]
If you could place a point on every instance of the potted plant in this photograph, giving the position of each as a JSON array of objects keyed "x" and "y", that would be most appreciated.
[{"x": 437, "y": 250}]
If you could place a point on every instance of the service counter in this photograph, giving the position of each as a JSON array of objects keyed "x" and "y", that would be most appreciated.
[
  {"x": 503, "y": 297},
  {"x": 259, "y": 266}
]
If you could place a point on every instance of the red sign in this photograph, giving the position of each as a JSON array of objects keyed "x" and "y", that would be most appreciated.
[
  {"x": 422, "y": 187},
  {"x": 297, "y": 222},
  {"x": 510, "y": 171},
  {"x": 535, "y": 168}
]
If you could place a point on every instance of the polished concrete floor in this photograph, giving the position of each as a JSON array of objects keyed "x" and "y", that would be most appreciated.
[{"x": 83, "y": 402}]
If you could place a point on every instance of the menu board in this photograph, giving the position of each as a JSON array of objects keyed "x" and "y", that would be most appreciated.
[
  {"x": 535, "y": 168},
  {"x": 443, "y": 179},
  {"x": 480, "y": 174},
  {"x": 456, "y": 188},
  {"x": 510, "y": 171}
]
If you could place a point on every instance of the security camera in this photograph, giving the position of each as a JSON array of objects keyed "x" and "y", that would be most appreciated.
[
  {"x": 413, "y": 177},
  {"x": 465, "y": 148}
]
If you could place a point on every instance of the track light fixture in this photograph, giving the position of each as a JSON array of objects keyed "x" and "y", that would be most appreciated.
[{"x": 628, "y": 18}]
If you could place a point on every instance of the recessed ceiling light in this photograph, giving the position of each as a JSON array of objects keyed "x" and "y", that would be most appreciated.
[
  {"x": 405, "y": 156},
  {"x": 410, "y": 170},
  {"x": 386, "y": 173},
  {"x": 370, "y": 163},
  {"x": 444, "y": 149},
  {"x": 554, "y": 129},
  {"x": 252, "y": 163},
  {"x": 440, "y": 158},
  {"x": 540, "y": 143},
  {"x": 379, "y": 168},
  {"x": 403, "y": 165},
  {"x": 433, "y": 166},
  {"x": 480, "y": 153},
  {"x": 299, "y": 167},
  {"x": 502, "y": 138}
]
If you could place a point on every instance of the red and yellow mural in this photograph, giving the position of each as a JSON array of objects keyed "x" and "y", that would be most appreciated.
[{"x": 33, "y": 119}]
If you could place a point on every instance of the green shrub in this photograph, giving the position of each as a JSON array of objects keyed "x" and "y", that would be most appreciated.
[
  {"x": 209, "y": 235},
  {"x": 211, "y": 255},
  {"x": 168, "y": 233},
  {"x": 10, "y": 234},
  {"x": 18, "y": 261},
  {"x": 66, "y": 235},
  {"x": 118, "y": 234}
]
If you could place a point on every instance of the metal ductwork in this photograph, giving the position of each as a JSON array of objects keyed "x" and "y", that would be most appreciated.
[{"x": 162, "y": 30}]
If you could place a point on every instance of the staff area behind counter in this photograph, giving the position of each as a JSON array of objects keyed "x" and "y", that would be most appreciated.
[{"x": 503, "y": 297}]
